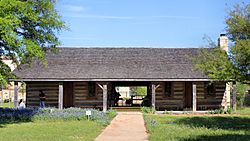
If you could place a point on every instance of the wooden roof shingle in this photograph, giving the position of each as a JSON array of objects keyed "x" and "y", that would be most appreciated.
[{"x": 114, "y": 64}]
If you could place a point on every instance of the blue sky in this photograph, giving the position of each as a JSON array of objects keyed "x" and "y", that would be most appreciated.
[{"x": 142, "y": 23}]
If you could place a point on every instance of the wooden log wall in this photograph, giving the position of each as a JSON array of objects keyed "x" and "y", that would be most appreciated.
[
  {"x": 205, "y": 102},
  {"x": 82, "y": 98},
  {"x": 49, "y": 88},
  {"x": 173, "y": 102},
  {"x": 177, "y": 99}
]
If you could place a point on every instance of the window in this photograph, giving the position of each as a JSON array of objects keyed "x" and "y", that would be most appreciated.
[
  {"x": 209, "y": 89},
  {"x": 91, "y": 89},
  {"x": 168, "y": 89}
]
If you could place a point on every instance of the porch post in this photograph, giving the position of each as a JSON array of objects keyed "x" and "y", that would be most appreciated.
[
  {"x": 60, "y": 96},
  {"x": 234, "y": 96},
  {"x": 16, "y": 94},
  {"x": 153, "y": 96},
  {"x": 194, "y": 97},
  {"x": 105, "y": 94}
]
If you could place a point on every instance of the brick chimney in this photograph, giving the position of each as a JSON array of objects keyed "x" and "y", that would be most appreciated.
[{"x": 223, "y": 42}]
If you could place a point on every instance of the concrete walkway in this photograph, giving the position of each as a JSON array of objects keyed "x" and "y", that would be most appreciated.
[{"x": 126, "y": 126}]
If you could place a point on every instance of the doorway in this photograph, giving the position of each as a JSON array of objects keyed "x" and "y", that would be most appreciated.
[
  {"x": 67, "y": 94},
  {"x": 188, "y": 98}
]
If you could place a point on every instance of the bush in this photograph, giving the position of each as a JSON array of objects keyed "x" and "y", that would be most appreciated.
[
  {"x": 14, "y": 114},
  {"x": 28, "y": 114},
  {"x": 75, "y": 114},
  {"x": 221, "y": 111},
  {"x": 111, "y": 113},
  {"x": 148, "y": 110}
]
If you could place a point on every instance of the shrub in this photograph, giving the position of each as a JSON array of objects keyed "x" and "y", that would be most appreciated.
[
  {"x": 111, "y": 113},
  {"x": 14, "y": 114},
  {"x": 75, "y": 114},
  {"x": 148, "y": 110},
  {"x": 221, "y": 111},
  {"x": 28, "y": 114}
]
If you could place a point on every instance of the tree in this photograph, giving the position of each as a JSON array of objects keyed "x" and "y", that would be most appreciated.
[
  {"x": 139, "y": 90},
  {"x": 241, "y": 91},
  {"x": 236, "y": 65},
  {"x": 27, "y": 29}
]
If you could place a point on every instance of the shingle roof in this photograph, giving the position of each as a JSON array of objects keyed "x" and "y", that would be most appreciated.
[{"x": 114, "y": 63}]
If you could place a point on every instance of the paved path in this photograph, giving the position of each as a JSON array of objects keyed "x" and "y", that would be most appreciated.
[{"x": 126, "y": 126}]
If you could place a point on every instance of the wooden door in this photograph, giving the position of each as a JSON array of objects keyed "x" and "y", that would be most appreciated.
[
  {"x": 188, "y": 95},
  {"x": 68, "y": 94}
]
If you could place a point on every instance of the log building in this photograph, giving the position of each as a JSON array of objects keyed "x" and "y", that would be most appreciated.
[{"x": 85, "y": 77}]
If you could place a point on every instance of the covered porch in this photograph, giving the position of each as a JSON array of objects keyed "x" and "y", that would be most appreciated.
[{"x": 161, "y": 95}]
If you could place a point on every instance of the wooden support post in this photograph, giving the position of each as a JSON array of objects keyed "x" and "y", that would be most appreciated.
[
  {"x": 105, "y": 95},
  {"x": 234, "y": 96},
  {"x": 60, "y": 96},
  {"x": 153, "y": 95},
  {"x": 16, "y": 94},
  {"x": 194, "y": 97}
]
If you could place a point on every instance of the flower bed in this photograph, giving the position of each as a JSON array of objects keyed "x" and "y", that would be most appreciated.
[{"x": 28, "y": 114}]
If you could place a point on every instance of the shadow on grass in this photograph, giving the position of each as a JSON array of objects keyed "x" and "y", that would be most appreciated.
[
  {"x": 226, "y": 137},
  {"x": 228, "y": 123},
  {"x": 15, "y": 115},
  {"x": 3, "y": 123}
]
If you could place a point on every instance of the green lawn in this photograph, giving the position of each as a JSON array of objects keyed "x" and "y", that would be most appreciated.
[
  {"x": 196, "y": 128},
  {"x": 50, "y": 130},
  {"x": 6, "y": 105},
  {"x": 244, "y": 111}
]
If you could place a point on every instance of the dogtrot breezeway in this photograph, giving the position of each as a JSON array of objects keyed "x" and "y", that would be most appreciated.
[{"x": 129, "y": 96}]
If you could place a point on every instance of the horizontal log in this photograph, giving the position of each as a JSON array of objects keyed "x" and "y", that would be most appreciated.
[
  {"x": 47, "y": 102},
  {"x": 178, "y": 93},
  {"x": 42, "y": 84}
]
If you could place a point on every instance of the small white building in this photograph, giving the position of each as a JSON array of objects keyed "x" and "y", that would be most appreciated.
[{"x": 7, "y": 94}]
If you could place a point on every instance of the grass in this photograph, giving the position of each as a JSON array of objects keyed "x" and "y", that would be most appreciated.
[
  {"x": 196, "y": 128},
  {"x": 50, "y": 130},
  {"x": 243, "y": 111},
  {"x": 5, "y": 105}
]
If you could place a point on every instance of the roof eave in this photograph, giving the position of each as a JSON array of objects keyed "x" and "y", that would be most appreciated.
[{"x": 111, "y": 79}]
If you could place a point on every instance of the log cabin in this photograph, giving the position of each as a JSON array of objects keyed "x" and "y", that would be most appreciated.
[{"x": 85, "y": 77}]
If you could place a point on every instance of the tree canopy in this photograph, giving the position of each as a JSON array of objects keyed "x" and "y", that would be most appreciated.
[
  {"x": 235, "y": 65},
  {"x": 27, "y": 29},
  {"x": 139, "y": 90}
]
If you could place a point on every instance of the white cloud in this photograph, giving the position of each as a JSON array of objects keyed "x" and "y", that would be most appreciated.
[
  {"x": 176, "y": 17},
  {"x": 99, "y": 17},
  {"x": 111, "y": 17}
]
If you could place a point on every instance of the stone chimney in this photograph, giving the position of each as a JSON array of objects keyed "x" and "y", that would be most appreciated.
[{"x": 223, "y": 42}]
